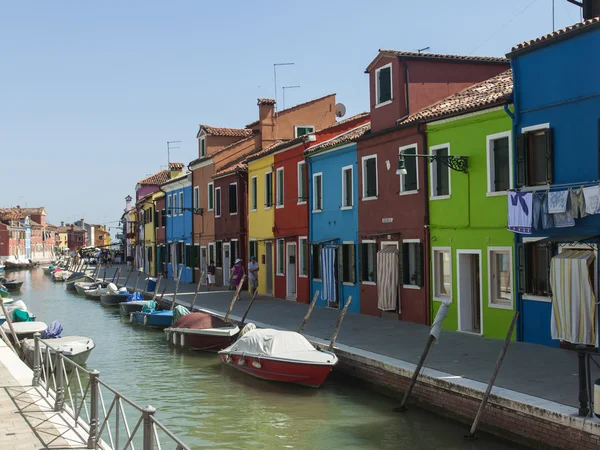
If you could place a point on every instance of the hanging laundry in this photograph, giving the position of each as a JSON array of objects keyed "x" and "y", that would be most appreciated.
[
  {"x": 557, "y": 201},
  {"x": 577, "y": 203},
  {"x": 540, "y": 212},
  {"x": 387, "y": 279},
  {"x": 592, "y": 199},
  {"x": 328, "y": 274},
  {"x": 520, "y": 212}
]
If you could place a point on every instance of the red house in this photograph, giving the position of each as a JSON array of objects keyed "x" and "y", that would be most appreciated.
[{"x": 393, "y": 208}]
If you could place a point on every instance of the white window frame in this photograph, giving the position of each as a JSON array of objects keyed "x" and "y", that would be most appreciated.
[
  {"x": 265, "y": 190},
  {"x": 209, "y": 191},
  {"x": 277, "y": 242},
  {"x": 387, "y": 102},
  {"x": 202, "y": 144},
  {"x": 237, "y": 202},
  {"x": 400, "y": 151},
  {"x": 490, "y": 162},
  {"x": 314, "y": 202},
  {"x": 435, "y": 296},
  {"x": 433, "y": 173},
  {"x": 169, "y": 205},
  {"x": 196, "y": 200},
  {"x": 181, "y": 203},
  {"x": 369, "y": 241},
  {"x": 344, "y": 187},
  {"x": 508, "y": 250},
  {"x": 279, "y": 195},
  {"x": 349, "y": 283},
  {"x": 220, "y": 204},
  {"x": 303, "y": 126},
  {"x": 410, "y": 241},
  {"x": 299, "y": 173},
  {"x": 253, "y": 193},
  {"x": 364, "y": 171},
  {"x": 525, "y": 296},
  {"x": 300, "y": 258}
]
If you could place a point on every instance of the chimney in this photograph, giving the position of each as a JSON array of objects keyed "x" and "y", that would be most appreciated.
[
  {"x": 266, "y": 117},
  {"x": 62, "y": 223},
  {"x": 175, "y": 169},
  {"x": 128, "y": 202},
  {"x": 591, "y": 9}
]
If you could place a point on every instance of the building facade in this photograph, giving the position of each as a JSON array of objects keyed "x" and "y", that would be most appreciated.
[{"x": 180, "y": 257}]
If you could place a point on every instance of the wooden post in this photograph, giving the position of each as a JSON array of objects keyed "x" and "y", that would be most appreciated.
[
  {"x": 197, "y": 290},
  {"x": 339, "y": 324},
  {"x": 176, "y": 288},
  {"x": 235, "y": 297},
  {"x": 6, "y": 340},
  {"x": 116, "y": 276},
  {"x": 161, "y": 296},
  {"x": 471, "y": 434},
  {"x": 147, "y": 283},
  {"x": 9, "y": 322},
  {"x": 157, "y": 286},
  {"x": 128, "y": 275},
  {"x": 309, "y": 312},
  {"x": 104, "y": 276},
  {"x": 85, "y": 269},
  {"x": 248, "y": 309},
  {"x": 136, "y": 281}
]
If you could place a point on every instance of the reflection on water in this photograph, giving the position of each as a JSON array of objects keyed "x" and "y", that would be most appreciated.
[{"x": 209, "y": 405}]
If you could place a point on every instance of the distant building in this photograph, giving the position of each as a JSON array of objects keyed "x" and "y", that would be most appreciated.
[{"x": 24, "y": 233}]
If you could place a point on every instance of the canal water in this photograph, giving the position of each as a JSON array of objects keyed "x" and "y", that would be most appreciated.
[{"x": 209, "y": 405}]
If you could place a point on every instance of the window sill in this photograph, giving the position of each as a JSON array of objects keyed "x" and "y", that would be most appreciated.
[
  {"x": 280, "y": 274},
  {"x": 442, "y": 299},
  {"x": 233, "y": 214},
  {"x": 317, "y": 279},
  {"x": 409, "y": 192},
  {"x": 472, "y": 333},
  {"x": 301, "y": 203},
  {"x": 346, "y": 283},
  {"x": 500, "y": 306},
  {"x": 496, "y": 194},
  {"x": 317, "y": 211},
  {"x": 440, "y": 197},
  {"x": 389, "y": 102},
  {"x": 369, "y": 283},
  {"x": 217, "y": 217},
  {"x": 410, "y": 286},
  {"x": 208, "y": 209},
  {"x": 253, "y": 210},
  {"x": 267, "y": 208},
  {"x": 366, "y": 199},
  {"x": 537, "y": 187},
  {"x": 302, "y": 276},
  {"x": 346, "y": 208},
  {"x": 537, "y": 298},
  {"x": 279, "y": 207}
]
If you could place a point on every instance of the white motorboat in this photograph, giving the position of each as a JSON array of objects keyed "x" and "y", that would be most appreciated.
[
  {"x": 76, "y": 348},
  {"x": 98, "y": 292},
  {"x": 82, "y": 286},
  {"x": 25, "y": 330},
  {"x": 61, "y": 275}
]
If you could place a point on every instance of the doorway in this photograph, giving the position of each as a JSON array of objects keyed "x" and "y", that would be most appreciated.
[
  {"x": 469, "y": 291},
  {"x": 291, "y": 271},
  {"x": 226, "y": 263},
  {"x": 269, "y": 268},
  {"x": 203, "y": 261}
]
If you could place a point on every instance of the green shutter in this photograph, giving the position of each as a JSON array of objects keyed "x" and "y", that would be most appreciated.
[
  {"x": 549, "y": 135},
  {"x": 522, "y": 160}
]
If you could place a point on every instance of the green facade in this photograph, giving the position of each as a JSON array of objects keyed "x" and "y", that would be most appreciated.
[{"x": 469, "y": 223}]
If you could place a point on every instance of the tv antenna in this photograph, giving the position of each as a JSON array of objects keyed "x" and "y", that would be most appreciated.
[
  {"x": 283, "y": 89},
  {"x": 275, "y": 78},
  {"x": 421, "y": 50},
  {"x": 170, "y": 147}
]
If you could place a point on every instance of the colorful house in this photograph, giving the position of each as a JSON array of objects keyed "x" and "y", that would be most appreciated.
[
  {"x": 392, "y": 206},
  {"x": 471, "y": 252},
  {"x": 146, "y": 237},
  {"x": 160, "y": 223},
  {"x": 556, "y": 130}
]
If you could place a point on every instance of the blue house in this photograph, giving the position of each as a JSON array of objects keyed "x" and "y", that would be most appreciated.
[
  {"x": 179, "y": 253},
  {"x": 333, "y": 220},
  {"x": 556, "y": 126}
]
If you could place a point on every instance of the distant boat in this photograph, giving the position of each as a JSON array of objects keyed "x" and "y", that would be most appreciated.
[
  {"x": 11, "y": 285},
  {"x": 114, "y": 298},
  {"x": 18, "y": 263}
]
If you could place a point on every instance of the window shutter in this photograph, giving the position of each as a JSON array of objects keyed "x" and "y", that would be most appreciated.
[
  {"x": 340, "y": 263},
  {"x": 521, "y": 273},
  {"x": 550, "y": 249},
  {"x": 361, "y": 257},
  {"x": 419, "y": 263},
  {"x": 522, "y": 160},
  {"x": 402, "y": 263},
  {"x": 549, "y": 135},
  {"x": 352, "y": 258}
]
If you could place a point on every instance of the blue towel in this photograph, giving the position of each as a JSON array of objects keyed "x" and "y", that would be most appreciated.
[
  {"x": 136, "y": 296},
  {"x": 53, "y": 331}
]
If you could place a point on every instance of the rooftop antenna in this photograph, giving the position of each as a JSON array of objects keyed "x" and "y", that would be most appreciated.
[
  {"x": 275, "y": 79},
  {"x": 169, "y": 148},
  {"x": 283, "y": 89},
  {"x": 424, "y": 49}
]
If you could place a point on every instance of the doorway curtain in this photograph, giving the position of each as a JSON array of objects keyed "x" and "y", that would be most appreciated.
[
  {"x": 387, "y": 279},
  {"x": 328, "y": 274}
]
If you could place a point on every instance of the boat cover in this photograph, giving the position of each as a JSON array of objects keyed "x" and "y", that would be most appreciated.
[
  {"x": 25, "y": 327},
  {"x": 149, "y": 307},
  {"x": 76, "y": 275},
  {"x": 269, "y": 342},
  {"x": 135, "y": 297},
  {"x": 179, "y": 311},
  {"x": 19, "y": 304},
  {"x": 19, "y": 315},
  {"x": 53, "y": 331}
]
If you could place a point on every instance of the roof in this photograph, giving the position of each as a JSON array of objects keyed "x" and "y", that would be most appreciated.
[
  {"x": 265, "y": 101},
  {"x": 564, "y": 33},
  {"x": 226, "y": 132},
  {"x": 488, "y": 93},
  {"x": 287, "y": 110},
  {"x": 17, "y": 212},
  {"x": 176, "y": 166},
  {"x": 241, "y": 163},
  {"x": 438, "y": 56},
  {"x": 172, "y": 180},
  {"x": 348, "y": 136},
  {"x": 157, "y": 178}
]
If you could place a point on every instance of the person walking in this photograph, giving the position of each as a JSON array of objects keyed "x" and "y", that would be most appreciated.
[
  {"x": 253, "y": 274},
  {"x": 211, "y": 272},
  {"x": 237, "y": 273}
]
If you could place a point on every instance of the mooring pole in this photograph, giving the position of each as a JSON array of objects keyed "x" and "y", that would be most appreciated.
[
  {"x": 309, "y": 312},
  {"x": 128, "y": 275},
  {"x": 339, "y": 324},
  {"x": 248, "y": 308},
  {"x": 136, "y": 281},
  {"x": 235, "y": 297},
  {"x": 197, "y": 290},
  {"x": 176, "y": 288},
  {"x": 584, "y": 409},
  {"x": 157, "y": 286}
]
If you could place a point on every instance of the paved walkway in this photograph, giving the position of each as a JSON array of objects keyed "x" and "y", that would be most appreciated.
[{"x": 535, "y": 370}]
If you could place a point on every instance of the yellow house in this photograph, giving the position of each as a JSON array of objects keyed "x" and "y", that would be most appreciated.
[
  {"x": 261, "y": 218},
  {"x": 146, "y": 207}
]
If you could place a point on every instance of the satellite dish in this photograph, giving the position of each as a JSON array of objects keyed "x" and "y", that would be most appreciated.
[{"x": 340, "y": 110}]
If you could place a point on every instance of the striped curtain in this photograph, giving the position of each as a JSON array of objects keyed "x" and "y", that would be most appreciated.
[
  {"x": 387, "y": 279},
  {"x": 328, "y": 274}
]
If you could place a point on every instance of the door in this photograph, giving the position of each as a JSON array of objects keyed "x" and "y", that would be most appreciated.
[
  {"x": 269, "y": 268},
  {"x": 174, "y": 260},
  {"x": 291, "y": 271},
  {"x": 469, "y": 291},
  {"x": 203, "y": 261},
  {"x": 226, "y": 263}
]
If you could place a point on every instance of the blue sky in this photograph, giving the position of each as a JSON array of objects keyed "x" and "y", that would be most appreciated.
[{"x": 92, "y": 91}]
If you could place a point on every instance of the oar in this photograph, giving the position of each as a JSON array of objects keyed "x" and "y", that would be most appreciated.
[
  {"x": 157, "y": 286},
  {"x": 235, "y": 297},
  {"x": 176, "y": 288},
  {"x": 309, "y": 312},
  {"x": 9, "y": 322},
  {"x": 197, "y": 290},
  {"x": 339, "y": 324},
  {"x": 248, "y": 309}
]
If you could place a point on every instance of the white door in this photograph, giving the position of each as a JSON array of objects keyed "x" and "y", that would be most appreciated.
[
  {"x": 469, "y": 290},
  {"x": 226, "y": 263},
  {"x": 291, "y": 271}
]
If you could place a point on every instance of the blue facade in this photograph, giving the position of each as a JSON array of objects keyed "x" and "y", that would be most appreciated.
[
  {"x": 556, "y": 87},
  {"x": 335, "y": 226},
  {"x": 179, "y": 228}
]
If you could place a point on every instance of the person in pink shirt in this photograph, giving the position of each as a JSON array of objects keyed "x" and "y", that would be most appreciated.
[{"x": 237, "y": 273}]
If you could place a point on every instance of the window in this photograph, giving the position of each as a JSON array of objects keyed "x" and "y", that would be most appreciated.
[
  {"x": 268, "y": 189},
  {"x": 211, "y": 196},
  {"x": 347, "y": 188},
  {"x": 195, "y": 255},
  {"x": 316, "y": 262},
  {"x": 233, "y": 200},
  {"x": 369, "y": 180},
  {"x": 188, "y": 255},
  {"x": 440, "y": 173},
  {"x": 303, "y": 257},
  {"x": 409, "y": 181},
  {"x": 383, "y": 85},
  {"x": 180, "y": 254},
  {"x": 253, "y": 249},
  {"x": 412, "y": 263},
  {"x": 181, "y": 203},
  {"x": 302, "y": 130},
  {"x": 219, "y": 254},
  {"x": 234, "y": 251},
  {"x": 174, "y": 207},
  {"x": 169, "y": 205},
  {"x": 253, "y": 193},
  {"x": 279, "y": 192},
  {"x": 500, "y": 277},
  {"x": 280, "y": 256},
  {"x": 347, "y": 265},
  {"x": 499, "y": 162},
  {"x": 533, "y": 262},
  {"x": 535, "y": 160},
  {"x": 442, "y": 274},
  {"x": 163, "y": 217},
  {"x": 196, "y": 200},
  {"x": 218, "y": 202},
  {"x": 211, "y": 252},
  {"x": 156, "y": 224},
  {"x": 317, "y": 192},
  {"x": 202, "y": 144},
  {"x": 368, "y": 257},
  {"x": 302, "y": 194}
]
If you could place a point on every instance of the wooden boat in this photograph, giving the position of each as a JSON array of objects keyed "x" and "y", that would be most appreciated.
[
  {"x": 284, "y": 356},
  {"x": 25, "y": 330},
  {"x": 96, "y": 293},
  {"x": 76, "y": 277},
  {"x": 156, "y": 319},
  {"x": 31, "y": 316},
  {"x": 114, "y": 298},
  {"x": 4, "y": 293},
  {"x": 82, "y": 286},
  {"x": 76, "y": 348},
  {"x": 127, "y": 308},
  {"x": 201, "y": 331},
  {"x": 61, "y": 275},
  {"x": 11, "y": 285}
]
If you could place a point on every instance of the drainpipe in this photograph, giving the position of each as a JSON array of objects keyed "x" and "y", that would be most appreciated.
[
  {"x": 427, "y": 230},
  {"x": 406, "y": 85}
]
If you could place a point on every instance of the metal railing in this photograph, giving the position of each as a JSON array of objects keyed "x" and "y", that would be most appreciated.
[{"x": 82, "y": 391}]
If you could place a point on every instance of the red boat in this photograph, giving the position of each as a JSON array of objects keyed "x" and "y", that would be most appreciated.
[
  {"x": 275, "y": 355},
  {"x": 201, "y": 331}
]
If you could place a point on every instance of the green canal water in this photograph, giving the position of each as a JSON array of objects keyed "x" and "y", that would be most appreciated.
[{"x": 208, "y": 405}]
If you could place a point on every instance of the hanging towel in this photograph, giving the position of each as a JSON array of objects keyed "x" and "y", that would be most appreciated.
[
  {"x": 592, "y": 199},
  {"x": 387, "y": 279},
  {"x": 328, "y": 274},
  {"x": 565, "y": 219},
  {"x": 577, "y": 200},
  {"x": 573, "y": 301},
  {"x": 557, "y": 201},
  {"x": 541, "y": 218},
  {"x": 520, "y": 212}
]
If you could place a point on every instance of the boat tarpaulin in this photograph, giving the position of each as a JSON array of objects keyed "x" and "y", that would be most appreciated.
[
  {"x": 573, "y": 300},
  {"x": 271, "y": 342},
  {"x": 53, "y": 331},
  {"x": 149, "y": 307},
  {"x": 19, "y": 315},
  {"x": 328, "y": 274},
  {"x": 179, "y": 311},
  {"x": 387, "y": 278},
  {"x": 135, "y": 297}
]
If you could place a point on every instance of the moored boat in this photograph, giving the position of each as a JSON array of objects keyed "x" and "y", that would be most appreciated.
[
  {"x": 114, "y": 298},
  {"x": 83, "y": 286},
  {"x": 201, "y": 331},
  {"x": 13, "y": 263},
  {"x": 127, "y": 308},
  {"x": 75, "y": 348},
  {"x": 76, "y": 277},
  {"x": 11, "y": 285},
  {"x": 25, "y": 330},
  {"x": 155, "y": 319},
  {"x": 96, "y": 293}
]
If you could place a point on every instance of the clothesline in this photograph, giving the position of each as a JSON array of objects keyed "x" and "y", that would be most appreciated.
[{"x": 546, "y": 187}]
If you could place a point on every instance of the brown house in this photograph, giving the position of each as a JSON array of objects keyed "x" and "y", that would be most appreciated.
[{"x": 393, "y": 207}]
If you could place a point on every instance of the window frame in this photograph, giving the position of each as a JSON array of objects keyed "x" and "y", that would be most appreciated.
[
  {"x": 364, "y": 178},
  {"x": 311, "y": 267},
  {"x": 401, "y": 150},
  {"x": 301, "y": 256},
  {"x": 279, "y": 196},
  {"x": 253, "y": 193},
  {"x": 202, "y": 144},
  {"x": 280, "y": 258},
  {"x": 412, "y": 241},
  {"x": 196, "y": 198},
  {"x": 213, "y": 246},
  {"x": 210, "y": 196},
  {"x": 181, "y": 203},
  {"x": 525, "y": 134},
  {"x": 236, "y": 199},
  {"x": 368, "y": 282},
  {"x": 489, "y": 139},
  {"x": 169, "y": 205},
  {"x": 253, "y": 243},
  {"x": 302, "y": 199},
  {"x": 522, "y": 291},
  {"x": 377, "y": 86},
  {"x": 303, "y": 126},
  {"x": 345, "y": 207},
  {"x": 491, "y": 265},
  {"x": 218, "y": 196},
  {"x": 319, "y": 175},
  {"x": 268, "y": 205},
  {"x": 352, "y": 273},
  {"x": 434, "y": 274},
  {"x": 433, "y": 173}
]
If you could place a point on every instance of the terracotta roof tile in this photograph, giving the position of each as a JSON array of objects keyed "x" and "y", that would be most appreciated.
[
  {"x": 241, "y": 163},
  {"x": 266, "y": 101},
  {"x": 227, "y": 132},
  {"x": 176, "y": 166},
  {"x": 488, "y": 93},
  {"x": 559, "y": 34},
  {"x": 348, "y": 136},
  {"x": 17, "y": 213},
  {"x": 439, "y": 56},
  {"x": 156, "y": 179}
]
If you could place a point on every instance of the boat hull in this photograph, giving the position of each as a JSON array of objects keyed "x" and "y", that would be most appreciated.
[
  {"x": 203, "y": 332},
  {"x": 13, "y": 286},
  {"x": 77, "y": 355},
  {"x": 127, "y": 308},
  {"x": 113, "y": 299},
  {"x": 161, "y": 319},
  {"x": 199, "y": 341}
]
